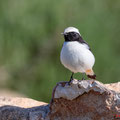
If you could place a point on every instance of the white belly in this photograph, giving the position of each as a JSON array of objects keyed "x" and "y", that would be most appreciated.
[{"x": 76, "y": 57}]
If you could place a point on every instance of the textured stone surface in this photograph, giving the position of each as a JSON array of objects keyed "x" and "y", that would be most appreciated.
[
  {"x": 81, "y": 100},
  {"x": 20, "y": 102},
  {"x": 85, "y": 100},
  {"x": 78, "y": 88},
  {"x": 22, "y": 109},
  {"x": 114, "y": 86}
]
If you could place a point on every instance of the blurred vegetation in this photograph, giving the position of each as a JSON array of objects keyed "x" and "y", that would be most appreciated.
[{"x": 30, "y": 42}]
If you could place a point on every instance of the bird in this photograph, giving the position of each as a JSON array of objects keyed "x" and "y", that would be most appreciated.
[{"x": 76, "y": 54}]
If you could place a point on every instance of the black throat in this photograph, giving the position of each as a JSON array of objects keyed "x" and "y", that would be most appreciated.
[{"x": 73, "y": 36}]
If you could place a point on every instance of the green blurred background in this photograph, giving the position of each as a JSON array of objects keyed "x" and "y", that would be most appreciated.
[{"x": 30, "y": 42}]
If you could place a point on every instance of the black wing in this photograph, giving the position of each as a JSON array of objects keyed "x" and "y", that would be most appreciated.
[{"x": 84, "y": 42}]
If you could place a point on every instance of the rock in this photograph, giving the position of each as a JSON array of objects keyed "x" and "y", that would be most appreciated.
[
  {"x": 22, "y": 109},
  {"x": 114, "y": 86},
  {"x": 85, "y": 100},
  {"x": 20, "y": 102},
  {"x": 81, "y": 100}
]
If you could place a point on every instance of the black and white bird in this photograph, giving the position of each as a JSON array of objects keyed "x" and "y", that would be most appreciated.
[{"x": 76, "y": 54}]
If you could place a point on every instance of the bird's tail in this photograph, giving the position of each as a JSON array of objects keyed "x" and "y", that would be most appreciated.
[{"x": 90, "y": 74}]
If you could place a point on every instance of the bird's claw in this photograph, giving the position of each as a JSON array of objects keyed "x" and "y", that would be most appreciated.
[
  {"x": 69, "y": 83},
  {"x": 83, "y": 78}
]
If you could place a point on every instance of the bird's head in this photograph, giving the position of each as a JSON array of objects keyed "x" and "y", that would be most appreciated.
[{"x": 71, "y": 34}]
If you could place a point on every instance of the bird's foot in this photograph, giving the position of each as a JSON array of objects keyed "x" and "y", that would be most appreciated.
[
  {"x": 83, "y": 78},
  {"x": 69, "y": 83},
  {"x": 71, "y": 78}
]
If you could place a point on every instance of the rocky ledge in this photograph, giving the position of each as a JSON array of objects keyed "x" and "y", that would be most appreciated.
[{"x": 80, "y": 100}]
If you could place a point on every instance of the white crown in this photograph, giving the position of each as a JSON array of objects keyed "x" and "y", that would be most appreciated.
[{"x": 71, "y": 29}]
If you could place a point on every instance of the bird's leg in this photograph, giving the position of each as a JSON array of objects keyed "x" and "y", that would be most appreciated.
[
  {"x": 83, "y": 76},
  {"x": 71, "y": 78}
]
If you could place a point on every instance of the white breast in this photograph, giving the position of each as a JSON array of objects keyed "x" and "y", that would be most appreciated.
[{"x": 76, "y": 57}]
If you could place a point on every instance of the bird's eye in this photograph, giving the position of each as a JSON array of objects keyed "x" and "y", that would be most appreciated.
[{"x": 74, "y": 34}]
